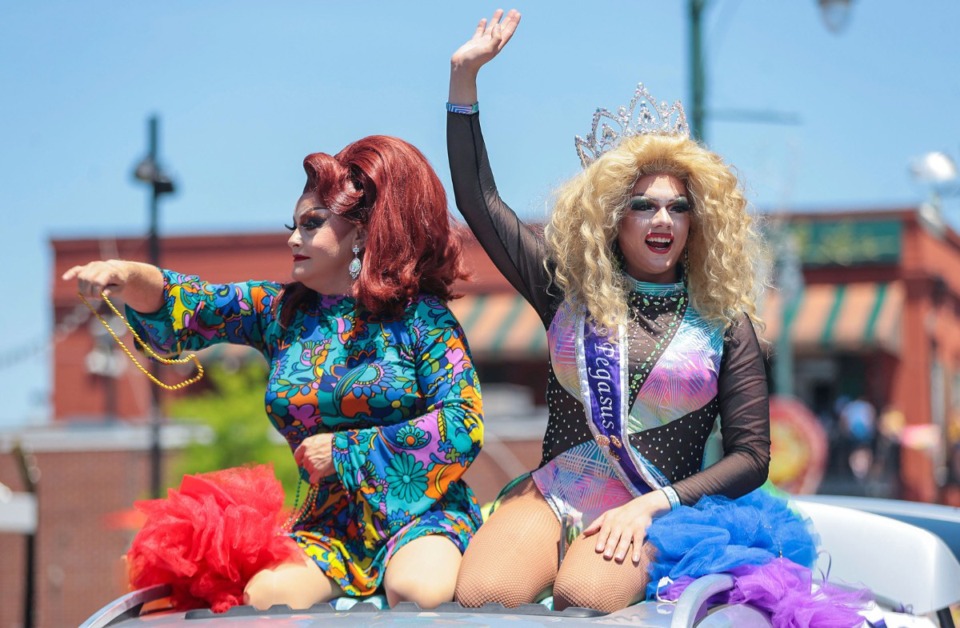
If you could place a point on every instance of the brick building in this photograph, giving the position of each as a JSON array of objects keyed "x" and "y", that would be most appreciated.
[{"x": 878, "y": 316}]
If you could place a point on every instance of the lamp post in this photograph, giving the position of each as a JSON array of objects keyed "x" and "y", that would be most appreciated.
[
  {"x": 835, "y": 15},
  {"x": 149, "y": 171}
]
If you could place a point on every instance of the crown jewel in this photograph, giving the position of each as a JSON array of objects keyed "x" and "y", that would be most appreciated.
[{"x": 643, "y": 116}]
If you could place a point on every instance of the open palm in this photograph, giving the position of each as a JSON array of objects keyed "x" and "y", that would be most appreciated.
[{"x": 487, "y": 41}]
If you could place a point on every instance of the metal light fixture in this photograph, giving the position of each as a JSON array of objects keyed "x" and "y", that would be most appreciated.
[
  {"x": 149, "y": 172},
  {"x": 835, "y": 14},
  {"x": 937, "y": 170},
  {"x": 934, "y": 168}
]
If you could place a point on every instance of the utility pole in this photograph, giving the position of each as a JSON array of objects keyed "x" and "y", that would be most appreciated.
[
  {"x": 698, "y": 75},
  {"x": 149, "y": 171}
]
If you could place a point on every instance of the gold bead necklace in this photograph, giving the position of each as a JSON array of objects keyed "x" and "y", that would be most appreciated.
[{"x": 146, "y": 348}]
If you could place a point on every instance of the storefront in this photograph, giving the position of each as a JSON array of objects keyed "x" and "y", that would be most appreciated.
[{"x": 876, "y": 318}]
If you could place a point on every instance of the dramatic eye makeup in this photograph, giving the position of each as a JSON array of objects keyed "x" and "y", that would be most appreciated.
[
  {"x": 678, "y": 205},
  {"x": 641, "y": 204},
  {"x": 310, "y": 219}
]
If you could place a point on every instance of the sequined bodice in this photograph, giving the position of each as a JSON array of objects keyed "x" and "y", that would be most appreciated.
[{"x": 674, "y": 362}]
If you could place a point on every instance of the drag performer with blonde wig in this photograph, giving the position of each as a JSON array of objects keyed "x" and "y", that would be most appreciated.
[
  {"x": 722, "y": 248},
  {"x": 645, "y": 280}
]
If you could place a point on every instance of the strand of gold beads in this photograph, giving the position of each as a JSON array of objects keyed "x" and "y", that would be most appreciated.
[{"x": 146, "y": 348}]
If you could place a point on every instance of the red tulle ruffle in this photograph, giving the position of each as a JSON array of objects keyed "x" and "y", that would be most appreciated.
[{"x": 210, "y": 536}]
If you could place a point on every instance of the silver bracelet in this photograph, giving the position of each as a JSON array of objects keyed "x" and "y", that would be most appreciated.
[{"x": 672, "y": 496}]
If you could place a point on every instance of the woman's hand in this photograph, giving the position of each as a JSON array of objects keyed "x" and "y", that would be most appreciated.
[
  {"x": 109, "y": 277},
  {"x": 617, "y": 528},
  {"x": 487, "y": 42},
  {"x": 141, "y": 284},
  {"x": 315, "y": 456}
]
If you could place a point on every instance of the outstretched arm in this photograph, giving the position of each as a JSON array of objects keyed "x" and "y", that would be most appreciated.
[
  {"x": 140, "y": 285},
  {"x": 174, "y": 313}
]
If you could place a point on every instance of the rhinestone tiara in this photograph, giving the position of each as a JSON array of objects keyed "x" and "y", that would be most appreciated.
[{"x": 643, "y": 116}]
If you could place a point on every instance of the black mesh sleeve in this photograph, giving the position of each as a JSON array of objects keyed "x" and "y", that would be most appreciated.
[
  {"x": 744, "y": 421},
  {"x": 517, "y": 250}
]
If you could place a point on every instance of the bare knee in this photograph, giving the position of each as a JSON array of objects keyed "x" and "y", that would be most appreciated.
[
  {"x": 411, "y": 588},
  {"x": 423, "y": 571},
  {"x": 298, "y": 585},
  {"x": 263, "y": 590}
]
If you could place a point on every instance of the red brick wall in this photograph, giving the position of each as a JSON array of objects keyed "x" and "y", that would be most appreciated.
[{"x": 77, "y": 552}]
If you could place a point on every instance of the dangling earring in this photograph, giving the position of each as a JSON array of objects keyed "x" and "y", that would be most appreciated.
[
  {"x": 686, "y": 264},
  {"x": 355, "y": 265}
]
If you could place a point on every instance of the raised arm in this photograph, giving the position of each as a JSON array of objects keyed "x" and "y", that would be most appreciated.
[
  {"x": 516, "y": 249},
  {"x": 486, "y": 43}
]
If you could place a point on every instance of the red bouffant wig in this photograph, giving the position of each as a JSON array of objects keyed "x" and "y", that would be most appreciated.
[{"x": 387, "y": 187}]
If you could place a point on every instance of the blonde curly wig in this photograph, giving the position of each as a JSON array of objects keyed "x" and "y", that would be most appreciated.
[{"x": 724, "y": 248}]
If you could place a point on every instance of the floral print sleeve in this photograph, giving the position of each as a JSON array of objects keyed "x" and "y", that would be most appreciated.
[
  {"x": 410, "y": 465},
  {"x": 197, "y": 314}
]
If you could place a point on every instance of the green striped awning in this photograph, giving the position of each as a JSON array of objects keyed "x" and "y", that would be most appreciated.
[
  {"x": 848, "y": 316},
  {"x": 501, "y": 326}
]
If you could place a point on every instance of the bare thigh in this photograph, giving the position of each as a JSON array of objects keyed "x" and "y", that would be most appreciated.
[
  {"x": 296, "y": 583},
  {"x": 423, "y": 571},
  {"x": 588, "y": 579},
  {"x": 513, "y": 557}
]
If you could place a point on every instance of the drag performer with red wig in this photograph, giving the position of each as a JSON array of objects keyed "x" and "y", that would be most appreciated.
[{"x": 371, "y": 383}]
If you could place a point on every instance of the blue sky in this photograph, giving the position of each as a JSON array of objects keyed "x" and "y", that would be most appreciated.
[{"x": 245, "y": 89}]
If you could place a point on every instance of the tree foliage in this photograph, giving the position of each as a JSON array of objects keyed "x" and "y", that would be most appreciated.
[{"x": 233, "y": 411}]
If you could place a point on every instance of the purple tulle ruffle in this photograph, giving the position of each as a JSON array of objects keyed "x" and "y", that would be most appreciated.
[{"x": 785, "y": 591}]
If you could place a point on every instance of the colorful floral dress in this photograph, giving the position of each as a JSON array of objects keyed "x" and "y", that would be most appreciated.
[{"x": 400, "y": 396}]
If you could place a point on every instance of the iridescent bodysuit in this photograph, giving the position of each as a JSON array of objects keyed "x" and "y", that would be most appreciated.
[{"x": 683, "y": 371}]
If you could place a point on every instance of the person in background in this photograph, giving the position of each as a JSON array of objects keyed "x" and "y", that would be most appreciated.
[{"x": 858, "y": 420}]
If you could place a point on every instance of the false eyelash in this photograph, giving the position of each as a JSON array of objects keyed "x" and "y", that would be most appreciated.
[{"x": 289, "y": 227}]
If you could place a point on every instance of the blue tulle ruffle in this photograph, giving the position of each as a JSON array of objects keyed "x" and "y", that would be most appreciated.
[{"x": 718, "y": 535}]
